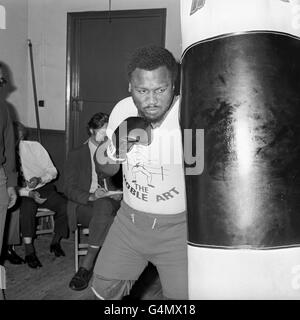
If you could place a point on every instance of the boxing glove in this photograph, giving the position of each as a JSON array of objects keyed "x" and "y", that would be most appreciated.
[
  {"x": 133, "y": 130},
  {"x": 104, "y": 166}
]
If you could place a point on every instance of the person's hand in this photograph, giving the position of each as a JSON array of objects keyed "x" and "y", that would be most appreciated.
[
  {"x": 37, "y": 197},
  {"x": 33, "y": 182},
  {"x": 12, "y": 195},
  {"x": 117, "y": 197},
  {"x": 97, "y": 194},
  {"x": 100, "y": 192}
]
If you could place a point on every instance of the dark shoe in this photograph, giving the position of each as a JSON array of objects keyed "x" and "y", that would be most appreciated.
[
  {"x": 12, "y": 256},
  {"x": 33, "y": 261},
  {"x": 81, "y": 279},
  {"x": 56, "y": 248}
]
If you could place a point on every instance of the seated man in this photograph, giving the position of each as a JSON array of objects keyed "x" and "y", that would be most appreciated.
[
  {"x": 36, "y": 171},
  {"x": 89, "y": 204}
]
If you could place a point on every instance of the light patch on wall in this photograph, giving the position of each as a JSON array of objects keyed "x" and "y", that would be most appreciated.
[{"x": 2, "y": 17}]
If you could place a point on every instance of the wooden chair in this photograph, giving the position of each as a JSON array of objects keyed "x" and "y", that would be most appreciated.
[
  {"x": 45, "y": 221},
  {"x": 80, "y": 247}
]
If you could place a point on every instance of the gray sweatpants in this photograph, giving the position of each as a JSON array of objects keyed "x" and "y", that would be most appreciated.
[{"x": 134, "y": 239}]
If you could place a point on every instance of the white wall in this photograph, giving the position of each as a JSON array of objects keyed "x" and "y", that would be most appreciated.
[
  {"x": 14, "y": 52},
  {"x": 47, "y": 29}
]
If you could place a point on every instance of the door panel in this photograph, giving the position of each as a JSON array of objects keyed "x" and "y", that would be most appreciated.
[{"x": 98, "y": 49}]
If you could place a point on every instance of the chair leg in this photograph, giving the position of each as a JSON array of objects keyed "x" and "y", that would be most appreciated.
[
  {"x": 81, "y": 249},
  {"x": 45, "y": 222},
  {"x": 52, "y": 224},
  {"x": 76, "y": 248}
]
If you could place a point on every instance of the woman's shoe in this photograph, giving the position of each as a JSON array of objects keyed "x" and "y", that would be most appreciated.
[
  {"x": 12, "y": 256},
  {"x": 33, "y": 261},
  {"x": 56, "y": 248}
]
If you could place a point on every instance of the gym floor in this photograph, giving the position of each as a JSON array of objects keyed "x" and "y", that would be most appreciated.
[{"x": 51, "y": 282}]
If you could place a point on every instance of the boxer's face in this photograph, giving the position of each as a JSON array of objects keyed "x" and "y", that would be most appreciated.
[{"x": 152, "y": 92}]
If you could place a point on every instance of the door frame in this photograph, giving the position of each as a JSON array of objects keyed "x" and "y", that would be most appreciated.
[{"x": 72, "y": 72}]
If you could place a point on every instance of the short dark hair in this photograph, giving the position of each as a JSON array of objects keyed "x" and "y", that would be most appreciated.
[
  {"x": 97, "y": 121},
  {"x": 150, "y": 58}
]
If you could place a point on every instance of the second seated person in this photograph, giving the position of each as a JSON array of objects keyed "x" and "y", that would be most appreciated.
[{"x": 86, "y": 190}]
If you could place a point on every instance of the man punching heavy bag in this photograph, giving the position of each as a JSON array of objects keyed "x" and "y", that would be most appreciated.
[{"x": 241, "y": 85}]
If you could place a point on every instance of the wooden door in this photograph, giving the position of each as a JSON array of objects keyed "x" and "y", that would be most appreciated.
[{"x": 98, "y": 46}]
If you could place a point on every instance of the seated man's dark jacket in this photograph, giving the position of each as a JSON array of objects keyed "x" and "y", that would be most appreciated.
[{"x": 78, "y": 179}]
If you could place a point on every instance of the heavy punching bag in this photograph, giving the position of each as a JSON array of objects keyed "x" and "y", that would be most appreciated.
[{"x": 241, "y": 86}]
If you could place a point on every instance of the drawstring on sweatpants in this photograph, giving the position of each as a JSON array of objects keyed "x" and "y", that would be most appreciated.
[
  {"x": 132, "y": 217},
  {"x": 154, "y": 223}
]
